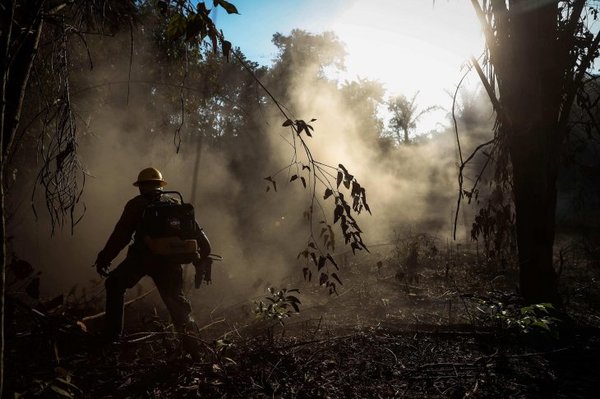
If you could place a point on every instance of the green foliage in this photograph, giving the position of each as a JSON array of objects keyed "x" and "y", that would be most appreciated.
[
  {"x": 539, "y": 318},
  {"x": 278, "y": 305},
  {"x": 230, "y": 8},
  {"x": 195, "y": 25}
]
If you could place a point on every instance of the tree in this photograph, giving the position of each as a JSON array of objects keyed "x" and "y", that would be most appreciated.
[
  {"x": 538, "y": 54},
  {"x": 23, "y": 24},
  {"x": 405, "y": 115},
  {"x": 362, "y": 98}
]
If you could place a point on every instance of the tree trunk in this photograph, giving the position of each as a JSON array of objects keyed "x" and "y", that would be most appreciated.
[
  {"x": 531, "y": 88},
  {"x": 2, "y": 272},
  {"x": 534, "y": 189},
  {"x": 15, "y": 70},
  {"x": 6, "y": 18}
]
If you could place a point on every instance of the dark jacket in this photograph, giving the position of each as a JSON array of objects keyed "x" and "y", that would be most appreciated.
[{"x": 129, "y": 223}]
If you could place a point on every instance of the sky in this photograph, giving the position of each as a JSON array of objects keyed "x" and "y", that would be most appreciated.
[{"x": 409, "y": 45}]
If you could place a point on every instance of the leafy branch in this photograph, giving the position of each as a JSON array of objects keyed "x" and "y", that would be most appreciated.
[
  {"x": 192, "y": 23},
  {"x": 319, "y": 251}
]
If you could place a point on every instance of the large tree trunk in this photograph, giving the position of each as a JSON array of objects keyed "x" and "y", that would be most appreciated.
[
  {"x": 534, "y": 189},
  {"x": 531, "y": 89}
]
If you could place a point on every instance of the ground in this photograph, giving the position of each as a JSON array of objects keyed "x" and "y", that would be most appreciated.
[{"x": 454, "y": 329}]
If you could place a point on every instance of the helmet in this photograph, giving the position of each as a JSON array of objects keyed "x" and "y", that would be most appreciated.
[{"x": 150, "y": 175}]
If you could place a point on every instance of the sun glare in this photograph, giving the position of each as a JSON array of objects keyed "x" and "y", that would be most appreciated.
[{"x": 411, "y": 46}]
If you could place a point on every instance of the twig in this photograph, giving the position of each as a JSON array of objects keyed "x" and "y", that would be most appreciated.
[
  {"x": 98, "y": 315},
  {"x": 211, "y": 324}
]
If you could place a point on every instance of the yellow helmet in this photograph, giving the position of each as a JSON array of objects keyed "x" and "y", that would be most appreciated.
[{"x": 150, "y": 175}]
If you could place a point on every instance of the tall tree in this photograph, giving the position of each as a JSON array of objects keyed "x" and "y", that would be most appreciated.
[
  {"x": 405, "y": 115},
  {"x": 538, "y": 53}
]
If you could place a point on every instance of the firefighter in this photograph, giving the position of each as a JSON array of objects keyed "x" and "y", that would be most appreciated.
[{"x": 167, "y": 276}]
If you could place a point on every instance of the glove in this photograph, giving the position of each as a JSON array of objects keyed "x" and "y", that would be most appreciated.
[
  {"x": 102, "y": 266},
  {"x": 203, "y": 271}
]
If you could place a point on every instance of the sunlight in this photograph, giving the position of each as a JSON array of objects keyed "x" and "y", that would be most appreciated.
[{"x": 411, "y": 46}]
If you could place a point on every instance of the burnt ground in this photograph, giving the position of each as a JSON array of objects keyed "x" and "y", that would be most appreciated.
[{"x": 440, "y": 333}]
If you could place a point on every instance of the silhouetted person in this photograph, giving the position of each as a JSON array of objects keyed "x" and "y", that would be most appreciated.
[{"x": 140, "y": 261}]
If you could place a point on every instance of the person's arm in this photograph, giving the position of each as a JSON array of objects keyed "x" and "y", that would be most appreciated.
[
  {"x": 203, "y": 264},
  {"x": 203, "y": 243},
  {"x": 121, "y": 235}
]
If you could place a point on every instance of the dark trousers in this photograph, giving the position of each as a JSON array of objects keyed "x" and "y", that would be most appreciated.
[{"x": 168, "y": 278}]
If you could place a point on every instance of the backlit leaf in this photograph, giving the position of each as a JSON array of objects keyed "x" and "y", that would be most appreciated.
[
  {"x": 230, "y": 8},
  {"x": 323, "y": 278},
  {"x": 335, "y": 276}
]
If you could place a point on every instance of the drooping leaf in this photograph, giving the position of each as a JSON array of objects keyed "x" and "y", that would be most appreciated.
[
  {"x": 323, "y": 278},
  {"x": 287, "y": 123},
  {"x": 339, "y": 178},
  {"x": 321, "y": 263},
  {"x": 364, "y": 196},
  {"x": 273, "y": 182},
  {"x": 335, "y": 276},
  {"x": 294, "y": 177},
  {"x": 337, "y": 213},
  {"x": 303, "y": 181},
  {"x": 328, "y": 193},
  {"x": 230, "y": 8},
  {"x": 332, "y": 261}
]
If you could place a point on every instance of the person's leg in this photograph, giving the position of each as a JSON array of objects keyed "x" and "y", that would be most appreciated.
[
  {"x": 125, "y": 276},
  {"x": 169, "y": 281}
]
